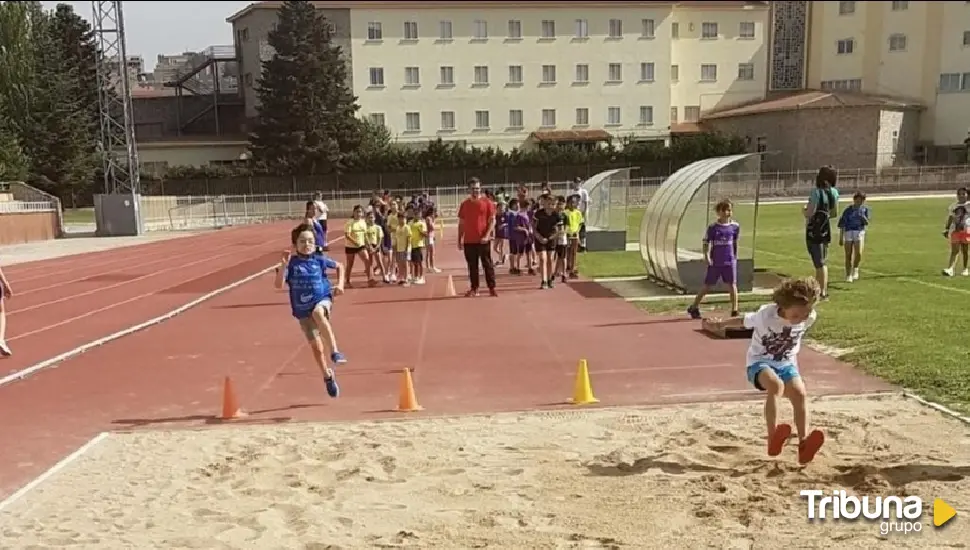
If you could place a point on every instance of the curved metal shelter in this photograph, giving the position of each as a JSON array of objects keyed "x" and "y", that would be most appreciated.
[
  {"x": 606, "y": 218},
  {"x": 662, "y": 227}
]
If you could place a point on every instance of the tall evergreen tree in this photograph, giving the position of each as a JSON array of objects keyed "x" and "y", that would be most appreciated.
[
  {"x": 307, "y": 113},
  {"x": 75, "y": 42}
]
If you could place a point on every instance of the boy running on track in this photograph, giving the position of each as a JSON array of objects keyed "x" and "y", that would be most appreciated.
[
  {"x": 311, "y": 297},
  {"x": 778, "y": 329},
  {"x": 5, "y": 293}
]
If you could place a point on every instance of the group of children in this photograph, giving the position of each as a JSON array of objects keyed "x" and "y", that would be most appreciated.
[{"x": 542, "y": 233}]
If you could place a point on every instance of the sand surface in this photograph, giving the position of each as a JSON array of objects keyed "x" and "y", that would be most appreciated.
[{"x": 688, "y": 477}]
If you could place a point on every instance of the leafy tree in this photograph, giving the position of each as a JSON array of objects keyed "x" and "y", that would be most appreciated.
[
  {"x": 306, "y": 121},
  {"x": 74, "y": 39}
]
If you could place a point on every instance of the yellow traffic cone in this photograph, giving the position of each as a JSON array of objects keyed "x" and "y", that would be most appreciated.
[{"x": 583, "y": 391}]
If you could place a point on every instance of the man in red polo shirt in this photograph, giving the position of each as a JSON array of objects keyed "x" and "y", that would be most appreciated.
[{"x": 476, "y": 227}]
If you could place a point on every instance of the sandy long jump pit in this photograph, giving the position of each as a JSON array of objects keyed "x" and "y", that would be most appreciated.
[{"x": 687, "y": 477}]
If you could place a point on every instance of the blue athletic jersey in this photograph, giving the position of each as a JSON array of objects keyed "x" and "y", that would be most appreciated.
[
  {"x": 318, "y": 234},
  {"x": 307, "y": 279}
]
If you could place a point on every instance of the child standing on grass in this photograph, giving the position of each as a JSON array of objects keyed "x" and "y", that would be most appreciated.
[
  {"x": 852, "y": 234},
  {"x": 772, "y": 359},
  {"x": 721, "y": 252},
  {"x": 418, "y": 240},
  {"x": 5, "y": 293},
  {"x": 958, "y": 231},
  {"x": 311, "y": 297}
]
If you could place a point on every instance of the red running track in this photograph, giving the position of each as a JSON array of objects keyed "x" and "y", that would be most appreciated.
[{"x": 518, "y": 351}]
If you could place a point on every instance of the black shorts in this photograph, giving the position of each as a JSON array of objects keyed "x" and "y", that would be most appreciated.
[
  {"x": 561, "y": 250},
  {"x": 548, "y": 246},
  {"x": 354, "y": 250},
  {"x": 417, "y": 255},
  {"x": 518, "y": 247}
]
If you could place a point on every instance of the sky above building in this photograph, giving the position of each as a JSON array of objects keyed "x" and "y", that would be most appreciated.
[{"x": 169, "y": 28}]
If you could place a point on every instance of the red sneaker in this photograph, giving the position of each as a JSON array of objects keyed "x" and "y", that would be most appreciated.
[
  {"x": 808, "y": 448},
  {"x": 778, "y": 439}
]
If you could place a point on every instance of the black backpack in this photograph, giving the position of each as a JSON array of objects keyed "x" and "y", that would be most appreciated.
[{"x": 819, "y": 229}]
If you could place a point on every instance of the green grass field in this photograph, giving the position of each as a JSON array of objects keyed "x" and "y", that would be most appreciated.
[
  {"x": 903, "y": 321},
  {"x": 79, "y": 215}
]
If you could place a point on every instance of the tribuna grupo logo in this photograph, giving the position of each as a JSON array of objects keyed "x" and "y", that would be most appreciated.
[{"x": 895, "y": 514}]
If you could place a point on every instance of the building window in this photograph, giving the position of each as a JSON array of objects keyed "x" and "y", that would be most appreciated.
[
  {"x": 548, "y": 118},
  {"x": 515, "y": 29},
  {"x": 445, "y": 31},
  {"x": 375, "y": 31},
  {"x": 582, "y": 28},
  {"x": 674, "y": 73},
  {"x": 900, "y": 6},
  {"x": 548, "y": 74},
  {"x": 673, "y": 115},
  {"x": 675, "y": 30},
  {"x": 480, "y": 31},
  {"x": 447, "y": 76},
  {"x": 412, "y": 76},
  {"x": 709, "y": 73},
  {"x": 745, "y": 71},
  {"x": 410, "y": 30},
  {"x": 615, "y": 73},
  {"x": 548, "y": 28},
  {"x": 646, "y": 115},
  {"x": 692, "y": 113},
  {"x": 955, "y": 82},
  {"x": 613, "y": 116},
  {"x": 616, "y": 28},
  {"x": 648, "y": 28},
  {"x": 709, "y": 31},
  {"x": 582, "y": 117},
  {"x": 412, "y": 122},
  {"x": 845, "y": 47},
  {"x": 481, "y": 75},
  {"x": 746, "y": 29},
  {"x": 897, "y": 42},
  {"x": 447, "y": 120},
  {"x": 853, "y": 84},
  {"x": 515, "y": 74},
  {"x": 966, "y": 38},
  {"x": 377, "y": 76},
  {"x": 846, "y": 8},
  {"x": 377, "y": 119},
  {"x": 481, "y": 120},
  {"x": 516, "y": 120},
  {"x": 646, "y": 72},
  {"x": 582, "y": 73}
]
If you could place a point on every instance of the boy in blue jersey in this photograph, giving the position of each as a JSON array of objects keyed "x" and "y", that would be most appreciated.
[{"x": 311, "y": 297}]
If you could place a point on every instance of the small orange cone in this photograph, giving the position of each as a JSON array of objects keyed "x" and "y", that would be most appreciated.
[
  {"x": 230, "y": 403},
  {"x": 407, "y": 401},
  {"x": 450, "y": 288},
  {"x": 583, "y": 391}
]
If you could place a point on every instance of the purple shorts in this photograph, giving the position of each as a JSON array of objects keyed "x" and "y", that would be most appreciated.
[{"x": 726, "y": 273}]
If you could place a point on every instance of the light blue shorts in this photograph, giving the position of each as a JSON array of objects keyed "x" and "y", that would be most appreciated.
[{"x": 786, "y": 373}]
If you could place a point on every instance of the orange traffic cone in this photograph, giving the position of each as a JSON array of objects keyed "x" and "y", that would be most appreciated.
[
  {"x": 407, "y": 401},
  {"x": 450, "y": 288},
  {"x": 230, "y": 403}
]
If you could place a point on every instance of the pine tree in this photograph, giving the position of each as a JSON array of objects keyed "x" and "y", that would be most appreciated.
[
  {"x": 75, "y": 42},
  {"x": 306, "y": 121}
]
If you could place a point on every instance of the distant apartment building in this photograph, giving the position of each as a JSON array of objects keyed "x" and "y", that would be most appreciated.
[
  {"x": 133, "y": 71},
  {"x": 504, "y": 74}
]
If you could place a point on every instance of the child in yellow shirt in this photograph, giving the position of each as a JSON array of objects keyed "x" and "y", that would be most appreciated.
[
  {"x": 574, "y": 223},
  {"x": 419, "y": 239},
  {"x": 401, "y": 242},
  {"x": 373, "y": 236}
]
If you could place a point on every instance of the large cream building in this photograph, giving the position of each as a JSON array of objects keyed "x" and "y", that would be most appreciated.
[
  {"x": 911, "y": 50},
  {"x": 500, "y": 73}
]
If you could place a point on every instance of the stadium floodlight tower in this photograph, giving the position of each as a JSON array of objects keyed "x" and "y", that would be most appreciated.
[{"x": 117, "y": 211}]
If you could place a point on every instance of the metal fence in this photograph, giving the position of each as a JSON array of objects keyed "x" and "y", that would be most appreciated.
[
  {"x": 198, "y": 211},
  {"x": 27, "y": 198}
]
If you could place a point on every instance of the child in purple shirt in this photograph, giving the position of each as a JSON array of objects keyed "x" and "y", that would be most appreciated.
[
  {"x": 721, "y": 251},
  {"x": 518, "y": 228}
]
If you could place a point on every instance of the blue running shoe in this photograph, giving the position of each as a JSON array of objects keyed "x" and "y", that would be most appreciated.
[
  {"x": 338, "y": 358},
  {"x": 333, "y": 390}
]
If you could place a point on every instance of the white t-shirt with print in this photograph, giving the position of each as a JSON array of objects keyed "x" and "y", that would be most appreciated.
[
  {"x": 950, "y": 212},
  {"x": 775, "y": 341},
  {"x": 322, "y": 208}
]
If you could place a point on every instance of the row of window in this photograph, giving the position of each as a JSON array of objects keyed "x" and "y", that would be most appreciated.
[
  {"x": 848, "y": 8},
  {"x": 516, "y": 74},
  {"x": 955, "y": 82},
  {"x": 516, "y": 120},
  {"x": 548, "y": 30},
  {"x": 897, "y": 43},
  {"x": 851, "y": 84}
]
